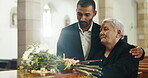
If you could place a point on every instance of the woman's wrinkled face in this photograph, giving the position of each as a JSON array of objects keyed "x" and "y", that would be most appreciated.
[{"x": 108, "y": 34}]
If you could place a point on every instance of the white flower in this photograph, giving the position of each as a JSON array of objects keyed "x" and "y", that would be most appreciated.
[
  {"x": 38, "y": 49},
  {"x": 28, "y": 61},
  {"x": 34, "y": 49},
  {"x": 26, "y": 54}
]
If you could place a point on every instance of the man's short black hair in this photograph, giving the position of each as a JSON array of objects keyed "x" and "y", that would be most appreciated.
[{"x": 86, "y": 3}]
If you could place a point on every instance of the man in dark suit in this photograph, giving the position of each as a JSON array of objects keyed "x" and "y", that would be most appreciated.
[{"x": 81, "y": 39}]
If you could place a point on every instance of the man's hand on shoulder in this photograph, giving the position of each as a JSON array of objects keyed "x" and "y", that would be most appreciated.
[{"x": 137, "y": 52}]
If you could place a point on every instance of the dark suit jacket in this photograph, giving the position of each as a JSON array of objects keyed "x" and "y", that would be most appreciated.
[
  {"x": 120, "y": 63},
  {"x": 70, "y": 43}
]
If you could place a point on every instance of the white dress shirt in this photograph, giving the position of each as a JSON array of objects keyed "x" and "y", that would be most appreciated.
[{"x": 85, "y": 40}]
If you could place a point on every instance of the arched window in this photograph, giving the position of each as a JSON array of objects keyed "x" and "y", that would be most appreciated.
[
  {"x": 67, "y": 20},
  {"x": 13, "y": 17},
  {"x": 48, "y": 29},
  {"x": 47, "y": 21}
]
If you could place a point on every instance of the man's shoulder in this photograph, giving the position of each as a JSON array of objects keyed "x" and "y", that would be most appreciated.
[
  {"x": 71, "y": 26},
  {"x": 74, "y": 26},
  {"x": 97, "y": 25}
]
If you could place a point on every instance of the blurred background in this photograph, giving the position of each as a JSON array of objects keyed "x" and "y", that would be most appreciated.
[{"x": 41, "y": 21}]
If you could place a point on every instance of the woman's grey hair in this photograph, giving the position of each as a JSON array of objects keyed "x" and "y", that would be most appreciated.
[{"x": 116, "y": 24}]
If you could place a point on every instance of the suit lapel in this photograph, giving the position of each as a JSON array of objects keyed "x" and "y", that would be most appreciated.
[
  {"x": 94, "y": 40},
  {"x": 77, "y": 42}
]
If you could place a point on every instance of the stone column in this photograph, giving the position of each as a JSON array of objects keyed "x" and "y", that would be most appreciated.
[
  {"x": 142, "y": 26},
  {"x": 29, "y": 28},
  {"x": 105, "y": 9}
]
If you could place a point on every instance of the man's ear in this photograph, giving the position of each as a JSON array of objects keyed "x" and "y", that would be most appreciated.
[{"x": 95, "y": 12}]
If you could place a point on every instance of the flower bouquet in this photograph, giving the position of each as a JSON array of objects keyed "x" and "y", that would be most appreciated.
[
  {"x": 82, "y": 66},
  {"x": 37, "y": 59}
]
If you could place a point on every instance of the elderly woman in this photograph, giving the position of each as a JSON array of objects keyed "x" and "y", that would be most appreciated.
[{"x": 117, "y": 62}]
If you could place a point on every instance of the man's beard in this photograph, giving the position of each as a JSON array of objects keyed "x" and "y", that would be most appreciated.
[{"x": 84, "y": 24}]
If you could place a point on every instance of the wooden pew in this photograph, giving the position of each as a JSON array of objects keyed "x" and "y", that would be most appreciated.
[
  {"x": 8, "y": 64},
  {"x": 143, "y": 68}
]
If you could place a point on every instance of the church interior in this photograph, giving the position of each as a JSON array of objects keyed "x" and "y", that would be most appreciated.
[{"x": 26, "y": 21}]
